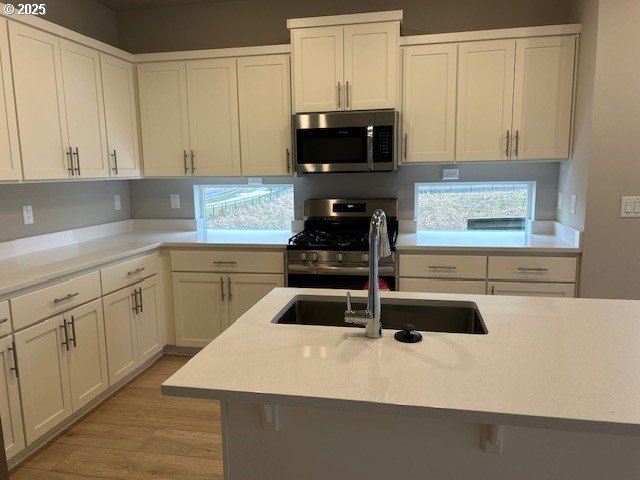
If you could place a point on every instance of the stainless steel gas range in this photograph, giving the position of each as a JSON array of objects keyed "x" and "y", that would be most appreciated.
[{"x": 333, "y": 249}]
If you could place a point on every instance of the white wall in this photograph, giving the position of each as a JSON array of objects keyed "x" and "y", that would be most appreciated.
[{"x": 611, "y": 260}]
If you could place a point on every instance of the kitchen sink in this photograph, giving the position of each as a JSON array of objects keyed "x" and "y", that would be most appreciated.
[{"x": 425, "y": 315}]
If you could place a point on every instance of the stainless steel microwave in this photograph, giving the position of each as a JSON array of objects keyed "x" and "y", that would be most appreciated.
[{"x": 346, "y": 141}]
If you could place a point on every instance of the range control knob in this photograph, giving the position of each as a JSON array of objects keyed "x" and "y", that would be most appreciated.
[
  {"x": 340, "y": 257},
  {"x": 303, "y": 256},
  {"x": 365, "y": 257},
  {"x": 314, "y": 256}
]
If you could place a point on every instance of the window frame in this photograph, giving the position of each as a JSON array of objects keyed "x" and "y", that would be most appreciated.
[{"x": 531, "y": 201}]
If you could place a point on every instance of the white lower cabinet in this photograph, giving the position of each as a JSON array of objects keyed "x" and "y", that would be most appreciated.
[
  {"x": 42, "y": 352},
  {"x": 429, "y": 285},
  {"x": 134, "y": 326},
  {"x": 561, "y": 290},
  {"x": 205, "y": 304},
  {"x": 10, "y": 411}
]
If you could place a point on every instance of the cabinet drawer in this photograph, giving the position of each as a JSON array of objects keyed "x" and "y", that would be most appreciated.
[
  {"x": 443, "y": 266},
  {"x": 427, "y": 285},
  {"x": 129, "y": 272},
  {"x": 227, "y": 261},
  {"x": 5, "y": 319},
  {"x": 533, "y": 269},
  {"x": 561, "y": 290},
  {"x": 32, "y": 307}
]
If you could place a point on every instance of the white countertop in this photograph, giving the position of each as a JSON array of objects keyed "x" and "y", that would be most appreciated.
[
  {"x": 500, "y": 241},
  {"x": 22, "y": 271},
  {"x": 551, "y": 363}
]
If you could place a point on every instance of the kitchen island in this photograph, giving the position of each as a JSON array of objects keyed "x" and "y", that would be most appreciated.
[{"x": 551, "y": 392}]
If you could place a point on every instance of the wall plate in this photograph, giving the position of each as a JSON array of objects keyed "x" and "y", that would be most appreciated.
[
  {"x": 630, "y": 207},
  {"x": 450, "y": 174}
]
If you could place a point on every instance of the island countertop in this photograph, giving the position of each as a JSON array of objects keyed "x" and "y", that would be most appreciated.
[{"x": 552, "y": 363}]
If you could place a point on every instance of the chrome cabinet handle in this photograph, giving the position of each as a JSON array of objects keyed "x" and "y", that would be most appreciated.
[
  {"x": 15, "y": 358},
  {"x": 442, "y": 267},
  {"x": 229, "y": 286},
  {"x": 71, "y": 169},
  {"x": 339, "y": 96},
  {"x": 139, "y": 290},
  {"x": 193, "y": 163},
  {"x": 77, "y": 154},
  {"x": 225, "y": 263},
  {"x": 136, "y": 271},
  {"x": 508, "y": 149},
  {"x": 405, "y": 146},
  {"x": 527, "y": 269},
  {"x": 185, "y": 157},
  {"x": 348, "y": 95},
  {"x": 62, "y": 299},
  {"x": 288, "y": 161},
  {"x": 4, "y": 320},
  {"x": 63, "y": 327},
  {"x": 134, "y": 294},
  {"x": 517, "y": 142},
  {"x": 222, "y": 288},
  {"x": 115, "y": 162},
  {"x": 73, "y": 331}
]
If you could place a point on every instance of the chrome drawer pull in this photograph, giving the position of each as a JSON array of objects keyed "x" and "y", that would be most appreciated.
[
  {"x": 225, "y": 263},
  {"x": 222, "y": 288},
  {"x": 15, "y": 358},
  {"x": 528, "y": 269},
  {"x": 4, "y": 320},
  {"x": 136, "y": 271},
  {"x": 442, "y": 267},
  {"x": 73, "y": 330},
  {"x": 71, "y": 295},
  {"x": 66, "y": 334}
]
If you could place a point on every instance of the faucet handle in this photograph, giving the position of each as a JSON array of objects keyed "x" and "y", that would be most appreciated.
[{"x": 349, "y": 309}]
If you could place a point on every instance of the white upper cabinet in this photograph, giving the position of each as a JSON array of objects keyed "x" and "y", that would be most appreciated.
[
  {"x": 85, "y": 109},
  {"x": 429, "y": 104},
  {"x": 371, "y": 65},
  {"x": 37, "y": 74},
  {"x": 164, "y": 119},
  {"x": 10, "y": 166},
  {"x": 353, "y": 67},
  {"x": 318, "y": 69},
  {"x": 543, "y": 97},
  {"x": 120, "y": 116},
  {"x": 485, "y": 100},
  {"x": 212, "y": 94},
  {"x": 265, "y": 115}
]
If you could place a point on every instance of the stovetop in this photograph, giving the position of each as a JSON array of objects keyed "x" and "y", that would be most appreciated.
[{"x": 338, "y": 235}]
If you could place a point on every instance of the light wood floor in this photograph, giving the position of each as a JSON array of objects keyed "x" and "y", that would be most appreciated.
[{"x": 137, "y": 434}]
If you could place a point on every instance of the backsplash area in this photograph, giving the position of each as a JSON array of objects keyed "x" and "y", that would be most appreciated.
[
  {"x": 61, "y": 206},
  {"x": 150, "y": 198}
]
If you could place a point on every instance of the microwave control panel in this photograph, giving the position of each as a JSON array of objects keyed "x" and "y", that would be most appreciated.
[{"x": 383, "y": 144}]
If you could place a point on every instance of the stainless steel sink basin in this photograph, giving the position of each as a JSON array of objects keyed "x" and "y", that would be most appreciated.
[{"x": 427, "y": 316}]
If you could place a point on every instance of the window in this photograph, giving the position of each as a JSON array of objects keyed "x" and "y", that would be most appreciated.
[
  {"x": 246, "y": 207},
  {"x": 473, "y": 206}
]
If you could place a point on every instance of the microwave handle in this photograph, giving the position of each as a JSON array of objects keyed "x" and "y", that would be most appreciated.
[{"x": 370, "y": 146}]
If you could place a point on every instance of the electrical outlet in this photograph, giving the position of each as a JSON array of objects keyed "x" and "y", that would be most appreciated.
[
  {"x": 450, "y": 174},
  {"x": 27, "y": 214},
  {"x": 559, "y": 200},
  {"x": 117, "y": 203},
  {"x": 574, "y": 203},
  {"x": 254, "y": 181},
  {"x": 175, "y": 200}
]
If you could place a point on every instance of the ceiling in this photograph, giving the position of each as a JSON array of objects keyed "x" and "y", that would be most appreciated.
[{"x": 120, "y": 5}]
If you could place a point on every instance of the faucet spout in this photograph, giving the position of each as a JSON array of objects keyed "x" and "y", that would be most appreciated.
[{"x": 379, "y": 247}]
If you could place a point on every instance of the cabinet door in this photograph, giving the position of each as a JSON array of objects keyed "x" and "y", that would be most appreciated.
[
  {"x": 371, "y": 65},
  {"x": 37, "y": 75},
  {"x": 10, "y": 412},
  {"x": 472, "y": 287},
  {"x": 120, "y": 116},
  {"x": 485, "y": 100},
  {"x": 164, "y": 119},
  {"x": 44, "y": 376},
  {"x": 120, "y": 334},
  {"x": 318, "y": 69},
  {"x": 88, "y": 373},
  {"x": 532, "y": 289},
  {"x": 265, "y": 115},
  {"x": 200, "y": 307},
  {"x": 10, "y": 166},
  {"x": 150, "y": 318},
  {"x": 212, "y": 92},
  {"x": 248, "y": 289},
  {"x": 429, "y": 107},
  {"x": 85, "y": 109},
  {"x": 543, "y": 96}
]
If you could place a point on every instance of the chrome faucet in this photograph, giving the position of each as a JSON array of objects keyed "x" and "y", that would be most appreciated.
[{"x": 379, "y": 247}]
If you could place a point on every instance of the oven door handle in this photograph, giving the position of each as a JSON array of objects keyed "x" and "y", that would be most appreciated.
[
  {"x": 370, "y": 147},
  {"x": 338, "y": 269}
]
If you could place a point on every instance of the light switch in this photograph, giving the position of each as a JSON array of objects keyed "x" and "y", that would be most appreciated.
[
  {"x": 630, "y": 207},
  {"x": 175, "y": 200},
  {"x": 559, "y": 200},
  {"x": 117, "y": 203},
  {"x": 574, "y": 203}
]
